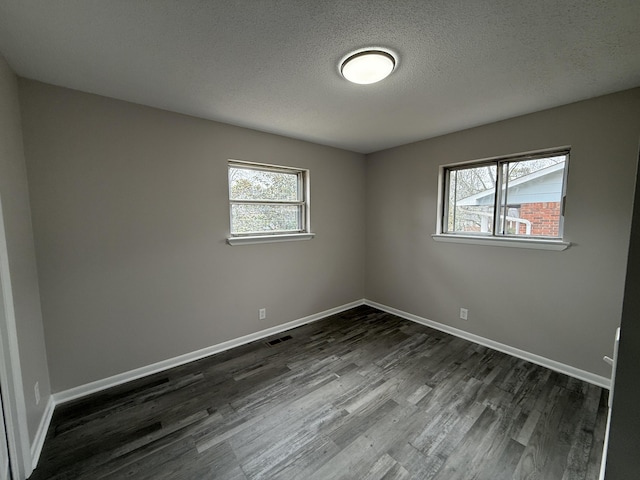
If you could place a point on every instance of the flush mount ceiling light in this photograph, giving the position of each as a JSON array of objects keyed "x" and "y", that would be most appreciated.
[{"x": 368, "y": 66}]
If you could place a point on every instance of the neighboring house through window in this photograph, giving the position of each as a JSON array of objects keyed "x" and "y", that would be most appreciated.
[{"x": 517, "y": 197}]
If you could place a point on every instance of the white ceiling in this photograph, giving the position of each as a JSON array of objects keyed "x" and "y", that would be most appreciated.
[{"x": 272, "y": 65}]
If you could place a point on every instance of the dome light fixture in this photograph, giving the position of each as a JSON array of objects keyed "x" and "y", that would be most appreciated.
[{"x": 368, "y": 66}]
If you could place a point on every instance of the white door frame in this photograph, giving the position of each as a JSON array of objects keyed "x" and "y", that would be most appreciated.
[
  {"x": 4, "y": 450},
  {"x": 15, "y": 410}
]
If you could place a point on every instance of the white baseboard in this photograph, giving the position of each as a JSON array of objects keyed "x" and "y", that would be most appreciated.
[
  {"x": 99, "y": 385},
  {"x": 516, "y": 352},
  {"x": 41, "y": 433}
]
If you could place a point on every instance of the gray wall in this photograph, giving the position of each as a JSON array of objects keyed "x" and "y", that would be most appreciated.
[
  {"x": 22, "y": 264},
  {"x": 562, "y": 305},
  {"x": 130, "y": 217},
  {"x": 624, "y": 438},
  {"x": 130, "y": 211}
]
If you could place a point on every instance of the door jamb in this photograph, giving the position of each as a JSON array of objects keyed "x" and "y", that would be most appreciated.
[{"x": 11, "y": 373}]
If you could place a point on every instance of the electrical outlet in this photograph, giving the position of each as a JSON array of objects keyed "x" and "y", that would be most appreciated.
[
  {"x": 262, "y": 313},
  {"x": 464, "y": 314},
  {"x": 36, "y": 390}
]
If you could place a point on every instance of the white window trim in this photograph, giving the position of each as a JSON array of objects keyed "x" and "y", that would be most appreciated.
[
  {"x": 558, "y": 244},
  {"x": 255, "y": 238},
  {"x": 289, "y": 237},
  {"x": 532, "y": 243}
]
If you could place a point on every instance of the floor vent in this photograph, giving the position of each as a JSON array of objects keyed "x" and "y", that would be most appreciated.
[{"x": 275, "y": 341}]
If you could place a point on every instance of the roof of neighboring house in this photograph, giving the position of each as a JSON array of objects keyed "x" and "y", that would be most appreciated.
[{"x": 542, "y": 186}]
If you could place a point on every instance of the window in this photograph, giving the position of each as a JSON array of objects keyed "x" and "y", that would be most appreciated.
[
  {"x": 268, "y": 201},
  {"x": 519, "y": 197}
]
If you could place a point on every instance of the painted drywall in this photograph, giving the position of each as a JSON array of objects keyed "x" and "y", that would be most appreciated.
[
  {"x": 130, "y": 213},
  {"x": 624, "y": 436},
  {"x": 564, "y": 306},
  {"x": 20, "y": 247}
]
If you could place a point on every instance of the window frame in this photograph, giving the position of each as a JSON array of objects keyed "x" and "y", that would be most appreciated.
[
  {"x": 304, "y": 217},
  {"x": 493, "y": 238}
]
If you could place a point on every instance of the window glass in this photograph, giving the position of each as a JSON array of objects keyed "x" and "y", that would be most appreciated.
[
  {"x": 518, "y": 196},
  {"x": 265, "y": 218},
  {"x": 253, "y": 184},
  {"x": 471, "y": 197},
  {"x": 267, "y": 199},
  {"x": 532, "y": 197}
]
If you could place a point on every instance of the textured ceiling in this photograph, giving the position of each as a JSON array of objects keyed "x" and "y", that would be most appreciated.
[{"x": 272, "y": 65}]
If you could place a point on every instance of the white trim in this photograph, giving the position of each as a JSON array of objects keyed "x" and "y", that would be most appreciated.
[
  {"x": 41, "y": 433},
  {"x": 13, "y": 400},
  {"x": 536, "y": 244},
  {"x": 443, "y": 193},
  {"x": 515, "y": 352},
  {"x": 288, "y": 237},
  {"x": 304, "y": 182},
  {"x": 605, "y": 447},
  {"x": 528, "y": 155},
  {"x": 99, "y": 385},
  {"x": 115, "y": 380},
  {"x": 614, "y": 365},
  {"x": 269, "y": 167}
]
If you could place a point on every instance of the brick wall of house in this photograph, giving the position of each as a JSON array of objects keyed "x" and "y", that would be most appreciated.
[{"x": 543, "y": 217}]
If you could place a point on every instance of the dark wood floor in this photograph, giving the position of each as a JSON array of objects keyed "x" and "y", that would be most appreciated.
[{"x": 360, "y": 395}]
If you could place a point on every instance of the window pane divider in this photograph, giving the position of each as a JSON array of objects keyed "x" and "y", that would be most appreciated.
[{"x": 497, "y": 200}]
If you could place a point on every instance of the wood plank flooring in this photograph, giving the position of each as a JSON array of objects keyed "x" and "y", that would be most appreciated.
[{"x": 359, "y": 395}]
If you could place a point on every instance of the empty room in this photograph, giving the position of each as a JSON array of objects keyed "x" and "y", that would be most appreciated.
[{"x": 319, "y": 240}]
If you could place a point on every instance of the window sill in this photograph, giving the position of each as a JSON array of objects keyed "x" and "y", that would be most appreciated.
[
  {"x": 534, "y": 243},
  {"x": 293, "y": 237}
]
